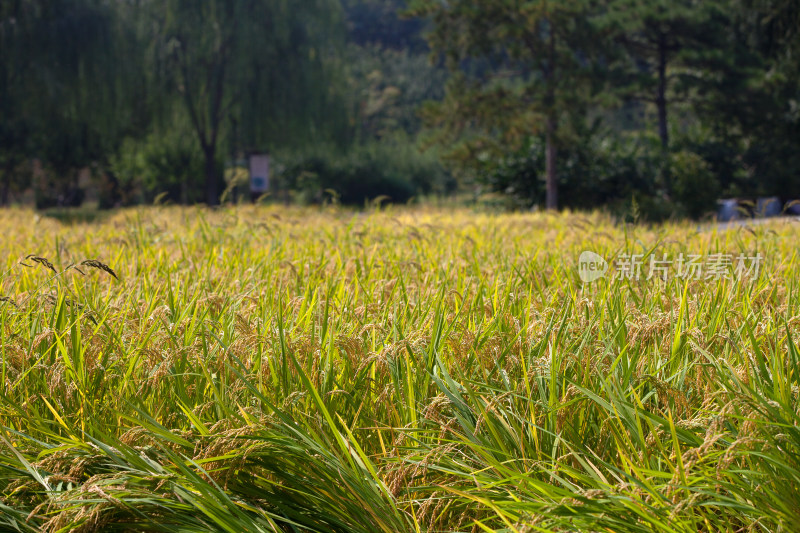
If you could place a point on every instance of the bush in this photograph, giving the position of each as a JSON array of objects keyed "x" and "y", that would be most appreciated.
[
  {"x": 54, "y": 189},
  {"x": 168, "y": 163},
  {"x": 396, "y": 171},
  {"x": 592, "y": 173},
  {"x": 694, "y": 184},
  {"x": 50, "y": 192}
]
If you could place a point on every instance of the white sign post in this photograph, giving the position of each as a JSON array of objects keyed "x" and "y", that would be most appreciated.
[{"x": 259, "y": 174}]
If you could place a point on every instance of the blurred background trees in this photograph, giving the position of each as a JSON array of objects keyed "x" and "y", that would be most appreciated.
[
  {"x": 668, "y": 104},
  {"x": 672, "y": 102}
]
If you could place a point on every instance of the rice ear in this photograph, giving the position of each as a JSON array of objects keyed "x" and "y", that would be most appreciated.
[
  {"x": 37, "y": 259},
  {"x": 93, "y": 263},
  {"x": 73, "y": 266}
]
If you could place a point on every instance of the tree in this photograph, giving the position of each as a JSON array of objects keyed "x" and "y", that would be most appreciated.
[
  {"x": 751, "y": 103},
  {"x": 522, "y": 68},
  {"x": 224, "y": 58},
  {"x": 377, "y": 22},
  {"x": 62, "y": 87},
  {"x": 667, "y": 41},
  {"x": 388, "y": 87},
  {"x": 776, "y": 22}
]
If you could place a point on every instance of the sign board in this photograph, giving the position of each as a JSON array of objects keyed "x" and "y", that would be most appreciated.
[{"x": 259, "y": 173}]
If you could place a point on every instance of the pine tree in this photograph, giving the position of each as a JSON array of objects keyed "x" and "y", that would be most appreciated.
[
  {"x": 669, "y": 44},
  {"x": 522, "y": 68}
]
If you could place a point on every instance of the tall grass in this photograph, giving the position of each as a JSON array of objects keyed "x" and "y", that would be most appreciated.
[{"x": 255, "y": 369}]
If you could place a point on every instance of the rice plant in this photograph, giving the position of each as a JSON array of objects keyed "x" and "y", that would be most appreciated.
[{"x": 400, "y": 369}]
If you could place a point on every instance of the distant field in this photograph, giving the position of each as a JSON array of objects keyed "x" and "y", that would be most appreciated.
[{"x": 260, "y": 369}]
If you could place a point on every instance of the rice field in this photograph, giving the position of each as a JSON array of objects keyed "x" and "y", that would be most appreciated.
[{"x": 396, "y": 370}]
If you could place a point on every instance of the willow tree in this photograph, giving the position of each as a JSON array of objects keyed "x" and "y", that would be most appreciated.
[
  {"x": 63, "y": 83},
  {"x": 258, "y": 64},
  {"x": 522, "y": 68}
]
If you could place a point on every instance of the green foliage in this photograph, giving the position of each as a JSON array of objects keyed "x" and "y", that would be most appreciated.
[
  {"x": 254, "y": 66},
  {"x": 388, "y": 88},
  {"x": 14, "y": 168},
  {"x": 752, "y": 109},
  {"x": 601, "y": 170},
  {"x": 532, "y": 74},
  {"x": 83, "y": 82},
  {"x": 166, "y": 163},
  {"x": 379, "y": 22},
  {"x": 723, "y": 160},
  {"x": 65, "y": 94},
  {"x": 53, "y": 189},
  {"x": 695, "y": 186},
  {"x": 396, "y": 171},
  {"x": 79, "y": 76},
  {"x": 664, "y": 50}
]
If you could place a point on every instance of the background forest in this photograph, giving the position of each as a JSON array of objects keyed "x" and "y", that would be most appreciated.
[{"x": 665, "y": 105}]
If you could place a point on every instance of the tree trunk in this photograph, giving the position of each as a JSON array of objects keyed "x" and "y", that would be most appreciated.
[
  {"x": 550, "y": 165},
  {"x": 661, "y": 97},
  {"x": 212, "y": 197},
  {"x": 550, "y": 140},
  {"x": 661, "y": 103}
]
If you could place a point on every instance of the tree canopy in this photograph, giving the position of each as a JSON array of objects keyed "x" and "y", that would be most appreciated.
[{"x": 606, "y": 100}]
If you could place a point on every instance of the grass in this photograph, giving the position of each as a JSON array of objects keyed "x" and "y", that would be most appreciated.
[{"x": 401, "y": 370}]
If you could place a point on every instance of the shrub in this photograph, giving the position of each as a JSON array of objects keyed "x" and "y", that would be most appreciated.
[
  {"x": 595, "y": 172},
  {"x": 55, "y": 190},
  {"x": 695, "y": 186},
  {"x": 397, "y": 171},
  {"x": 167, "y": 163}
]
